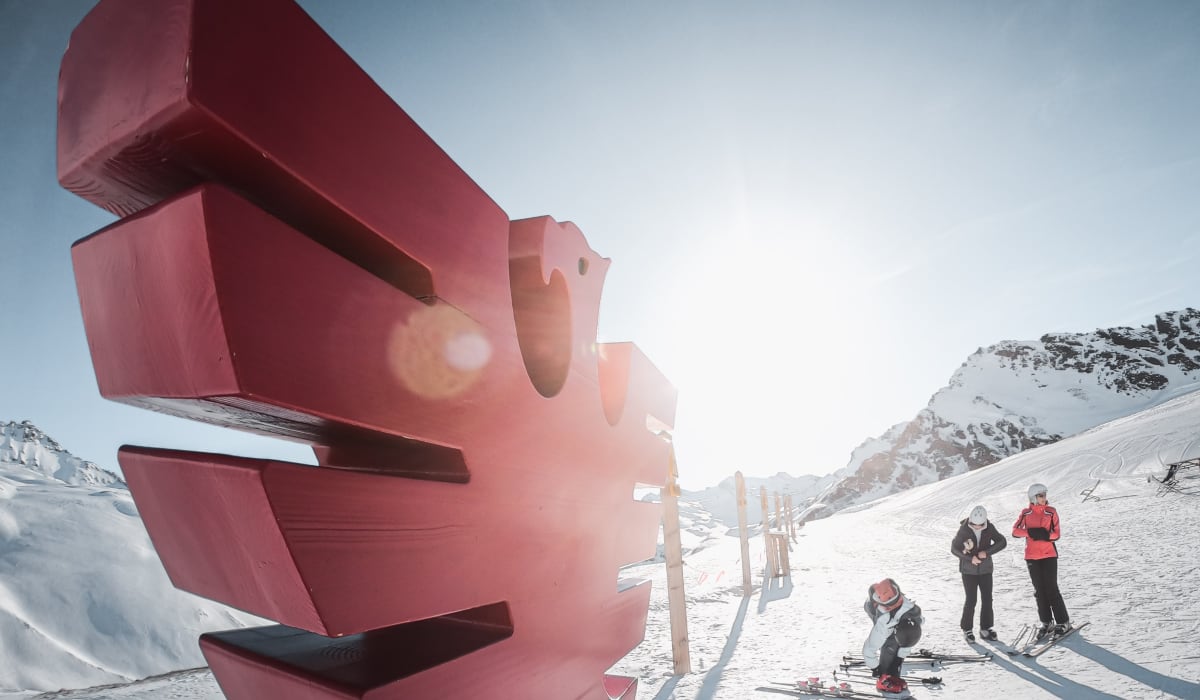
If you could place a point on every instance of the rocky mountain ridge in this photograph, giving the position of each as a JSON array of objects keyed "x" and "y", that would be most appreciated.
[
  {"x": 25, "y": 444},
  {"x": 1018, "y": 395}
]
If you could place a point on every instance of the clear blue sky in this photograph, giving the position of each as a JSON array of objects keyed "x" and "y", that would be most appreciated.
[{"x": 815, "y": 210}]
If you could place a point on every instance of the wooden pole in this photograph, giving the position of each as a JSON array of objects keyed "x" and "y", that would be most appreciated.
[
  {"x": 778, "y": 512},
  {"x": 673, "y": 550},
  {"x": 766, "y": 528},
  {"x": 747, "y": 585},
  {"x": 791, "y": 520}
]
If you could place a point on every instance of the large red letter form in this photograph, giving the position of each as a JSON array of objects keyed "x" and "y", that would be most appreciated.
[{"x": 298, "y": 259}]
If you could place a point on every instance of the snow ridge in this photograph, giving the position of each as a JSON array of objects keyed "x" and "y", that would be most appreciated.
[
  {"x": 1017, "y": 395},
  {"x": 26, "y": 445}
]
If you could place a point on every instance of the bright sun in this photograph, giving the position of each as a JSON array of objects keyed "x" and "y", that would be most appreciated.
[{"x": 757, "y": 342}]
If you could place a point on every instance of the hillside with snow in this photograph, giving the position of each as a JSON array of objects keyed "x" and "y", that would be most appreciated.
[
  {"x": 24, "y": 444},
  {"x": 84, "y": 600},
  {"x": 1014, "y": 396}
]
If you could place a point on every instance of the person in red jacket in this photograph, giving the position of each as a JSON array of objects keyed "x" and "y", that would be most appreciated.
[{"x": 1040, "y": 525}]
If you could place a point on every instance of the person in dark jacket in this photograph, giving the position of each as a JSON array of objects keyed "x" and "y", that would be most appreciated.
[
  {"x": 1039, "y": 523},
  {"x": 895, "y": 630},
  {"x": 974, "y": 545}
]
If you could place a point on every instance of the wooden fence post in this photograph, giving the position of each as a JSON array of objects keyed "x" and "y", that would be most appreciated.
[
  {"x": 787, "y": 512},
  {"x": 673, "y": 551},
  {"x": 747, "y": 586},
  {"x": 766, "y": 531}
]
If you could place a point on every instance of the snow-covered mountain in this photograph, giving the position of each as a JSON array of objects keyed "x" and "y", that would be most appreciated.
[
  {"x": 721, "y": 500},
  {"x": 1017, "y": 395},
  {"x": 709, "y": 515},
  {"x": 24, "y": 444},
  {"x": 84, "y": 599}
]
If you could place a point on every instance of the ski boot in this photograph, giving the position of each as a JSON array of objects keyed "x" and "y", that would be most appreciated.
[{"x": 891, "y": 684}]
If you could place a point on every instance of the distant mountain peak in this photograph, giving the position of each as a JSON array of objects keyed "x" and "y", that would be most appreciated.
[
  {"x": 25, "y": 445},
  {"x": 1018, "y": 395}
]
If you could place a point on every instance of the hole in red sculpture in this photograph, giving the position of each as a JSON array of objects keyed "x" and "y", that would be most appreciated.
[{"x": 543, "y": 317}]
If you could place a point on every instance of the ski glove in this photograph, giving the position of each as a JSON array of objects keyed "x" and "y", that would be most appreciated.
[{"x": 1040, "y": 534}]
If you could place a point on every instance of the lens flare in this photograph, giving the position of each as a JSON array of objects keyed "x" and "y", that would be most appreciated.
[{"x": 438, "y": 352}]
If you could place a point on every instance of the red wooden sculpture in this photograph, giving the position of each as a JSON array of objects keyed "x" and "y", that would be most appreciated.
[{"x": 297, "y": 258}]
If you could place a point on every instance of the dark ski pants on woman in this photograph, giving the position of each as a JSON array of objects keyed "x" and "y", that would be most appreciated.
[
  {"x": 1044, "y": 574},
  {"x": 977, "y": 586}
]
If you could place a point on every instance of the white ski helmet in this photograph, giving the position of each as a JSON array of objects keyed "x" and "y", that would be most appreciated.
[
  {"x": 978, "y": 516},
  {"x": 1035, "y": 490}
]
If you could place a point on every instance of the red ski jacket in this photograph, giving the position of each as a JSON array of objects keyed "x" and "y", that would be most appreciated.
[{"x": 1040, "y": 526}]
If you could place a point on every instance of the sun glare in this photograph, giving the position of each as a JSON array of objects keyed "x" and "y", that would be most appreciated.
[{"x": 756, "y": 333}]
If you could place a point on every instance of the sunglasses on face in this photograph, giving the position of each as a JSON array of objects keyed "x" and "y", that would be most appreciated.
[
  {"x": 977, "y": 527},
  {"x": 1040, "y": 495}
]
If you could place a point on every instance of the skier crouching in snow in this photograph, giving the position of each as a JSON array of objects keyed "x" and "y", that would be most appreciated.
[
  {"x": 896, "y": 631},
  {"x": 1040, "y": 524},
  {"x": 977, "y": 540}
]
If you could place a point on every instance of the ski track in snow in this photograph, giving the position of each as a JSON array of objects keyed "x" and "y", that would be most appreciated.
[{"x": 1128, "y": 565}]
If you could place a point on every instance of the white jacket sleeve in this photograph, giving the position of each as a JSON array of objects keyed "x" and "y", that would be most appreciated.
[{"x": 879, "y": 634}]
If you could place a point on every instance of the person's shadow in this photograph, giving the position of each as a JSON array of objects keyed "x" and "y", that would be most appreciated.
[
  {"x": 1047, "y": 680},
  {"x": 1119, "y": 664}
]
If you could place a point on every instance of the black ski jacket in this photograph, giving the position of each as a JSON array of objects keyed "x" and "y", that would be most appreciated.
[{"x": 964, "y": 547}]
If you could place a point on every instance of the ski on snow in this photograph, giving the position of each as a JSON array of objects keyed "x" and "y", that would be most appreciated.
[
  {"x": 862, "y": 674},
  {"x": 812, "y": 688},
  {"x": 1029, "y": 645},
  {"x": 930, "y": 654},
  {"x": 1017, "y": 646},
  {"x": 927, "y": 654},
  {"x": 1055, "y": 639},
  {"x": 935, "y": 660},
  {"x": 823, "y": 693}
]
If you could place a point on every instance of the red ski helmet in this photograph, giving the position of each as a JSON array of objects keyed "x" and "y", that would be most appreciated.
[{"x": 887, "y": 595}]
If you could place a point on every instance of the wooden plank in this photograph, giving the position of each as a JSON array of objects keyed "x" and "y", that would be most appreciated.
[
  {"x": 743, "y": 534},
  {"x": 676, "y": 595}
]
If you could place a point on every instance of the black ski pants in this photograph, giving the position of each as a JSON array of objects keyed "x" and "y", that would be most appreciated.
[
  {"x": 907, "y": 633},
  {"x": 889, "y": 658},
  {"x": 1044, "y": 574},
  {"x": 977, "y": 586}
]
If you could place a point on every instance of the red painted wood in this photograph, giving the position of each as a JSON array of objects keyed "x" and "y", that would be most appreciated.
[{"x": 299, "y": 259}]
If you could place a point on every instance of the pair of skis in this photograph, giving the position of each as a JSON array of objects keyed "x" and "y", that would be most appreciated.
[
  {"x": 865, "y": 676},
  {"x": 1029, "y": 645},
  {"x": 936, "y": 660},
  {"x": 854, "y": 671},
  {"x": 813, "y": 688}
]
